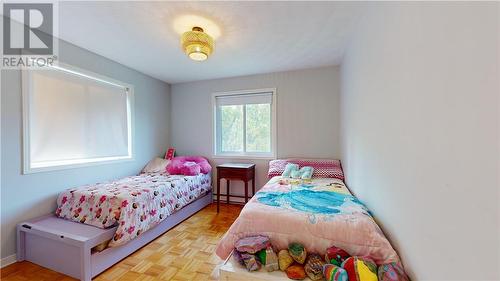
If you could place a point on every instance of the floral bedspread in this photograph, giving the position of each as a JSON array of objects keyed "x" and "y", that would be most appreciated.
[{"x": 135, "y": 204}]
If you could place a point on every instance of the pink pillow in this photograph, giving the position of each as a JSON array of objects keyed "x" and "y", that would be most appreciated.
[
  {"x": 323, "y": 168},
  {"x": 276, "y": 167},
  {"x": 190, "y": 169},
  {"x": 177, "y": 164}
]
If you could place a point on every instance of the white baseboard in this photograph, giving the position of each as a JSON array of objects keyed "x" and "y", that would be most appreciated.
[
  {"x": 8, "y": 260},
  {"x": 231, "y": 200}
]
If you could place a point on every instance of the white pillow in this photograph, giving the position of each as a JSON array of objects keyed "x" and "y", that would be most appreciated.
[{"x": 156, "y": 165}]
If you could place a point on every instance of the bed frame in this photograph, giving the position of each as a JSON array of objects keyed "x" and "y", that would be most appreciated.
[{"x": 65, "y": 246}]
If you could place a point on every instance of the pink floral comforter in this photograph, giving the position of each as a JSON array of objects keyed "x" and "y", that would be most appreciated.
[
  {"x": 319, "y": 214},
  {"x": 135, "y": 204}
]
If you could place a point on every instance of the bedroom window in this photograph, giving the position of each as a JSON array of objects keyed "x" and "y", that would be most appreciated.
[
  {"x": 74, "y": 118},
  {"x": 245, "y": 123}
]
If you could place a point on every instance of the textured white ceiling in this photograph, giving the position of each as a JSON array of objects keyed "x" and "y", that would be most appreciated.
[{"x": 255, "y": 37}]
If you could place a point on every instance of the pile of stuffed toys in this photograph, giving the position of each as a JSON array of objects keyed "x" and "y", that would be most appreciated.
[{"x": 255, "y": 252}]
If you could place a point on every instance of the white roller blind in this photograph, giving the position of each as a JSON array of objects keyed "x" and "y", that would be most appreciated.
[
  {"x": 259, "y": 98},
  {"x": 76, "y": 119}
]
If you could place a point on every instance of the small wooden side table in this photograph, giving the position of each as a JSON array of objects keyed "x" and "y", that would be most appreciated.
[{"x": 235, "y": 171}]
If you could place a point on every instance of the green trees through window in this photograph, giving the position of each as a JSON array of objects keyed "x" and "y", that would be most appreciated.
[
  {"x": 231, "y": 128},
  {"x": 245, "y": 128},
  {"x": 258, "y": 127}
]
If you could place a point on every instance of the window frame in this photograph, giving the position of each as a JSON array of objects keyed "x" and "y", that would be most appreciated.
[
  {"x": 216, "y": 133},
  {"x": 27, "y": 88}
]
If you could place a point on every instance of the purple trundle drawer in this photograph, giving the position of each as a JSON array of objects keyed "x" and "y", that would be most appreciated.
[
  {"x": 52, "y": 254},
  {"x": 59, "y": 244}
]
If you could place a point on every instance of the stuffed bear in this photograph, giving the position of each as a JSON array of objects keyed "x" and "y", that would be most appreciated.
[{"x": 292, "y": 171}]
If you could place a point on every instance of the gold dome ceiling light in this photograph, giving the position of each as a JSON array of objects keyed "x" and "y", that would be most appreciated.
[{"x": 197, "y": 44}]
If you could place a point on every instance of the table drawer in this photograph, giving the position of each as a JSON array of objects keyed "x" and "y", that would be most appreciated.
[{"x": 231, "y": 173}]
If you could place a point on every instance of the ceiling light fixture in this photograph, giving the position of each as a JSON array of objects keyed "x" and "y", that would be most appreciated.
[{"x": 197, "y": 44}]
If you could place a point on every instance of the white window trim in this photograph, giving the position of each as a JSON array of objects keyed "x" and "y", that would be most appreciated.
[
  {"x": 71, "y": 164},
  {"x": 274, "y": 138}
]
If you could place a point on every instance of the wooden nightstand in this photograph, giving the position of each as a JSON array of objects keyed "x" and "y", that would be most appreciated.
[{"x": 235, "y": 171}]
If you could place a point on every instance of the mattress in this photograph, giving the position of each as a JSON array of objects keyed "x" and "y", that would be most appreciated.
[
  {"x": 135, "y": 204},
  {"x": 319, "y": 214}
]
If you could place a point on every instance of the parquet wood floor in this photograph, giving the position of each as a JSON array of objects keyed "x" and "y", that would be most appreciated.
[{"x": 186, "y": 252}]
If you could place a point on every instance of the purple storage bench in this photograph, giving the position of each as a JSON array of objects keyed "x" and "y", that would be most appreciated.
[{"x": 65, "y": 246}]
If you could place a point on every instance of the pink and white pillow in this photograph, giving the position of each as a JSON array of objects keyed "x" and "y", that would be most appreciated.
[
  {"x": 323, "y": 168},
  {"x": 189, "y": 166}
]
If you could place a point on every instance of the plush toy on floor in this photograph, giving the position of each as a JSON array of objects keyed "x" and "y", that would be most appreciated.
[
  {"x": 297, "y": 252},
  {"x": 246, "y": 249},
  {"x": 268, "y": 259},
  {"x": 256, "y": 251},
  {"x": 314, "y": 267},
  {"x": 336, "y": 256},
  {"x": 360, "y": 269},
  {"x": 334, "y": 273},
  {"x": 391, "y": 272}
]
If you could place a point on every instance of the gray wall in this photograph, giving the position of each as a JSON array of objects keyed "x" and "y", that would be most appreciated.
[
  {"x": 27, "y": 196},
  {"x": 420, "y": 133},
  {"x": 307, "y": 115}
]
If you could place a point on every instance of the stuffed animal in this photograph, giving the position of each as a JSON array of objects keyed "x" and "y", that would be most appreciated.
[
  {"x": 178, "y": 166},
  {"x": 298, "y": 252},
  {"x": 360, "y": 269},
  {"x": 268, "y": 259},
  {"x": 306, "y": 172},
  {"x": 296, "y": 272},
  {"x": 336, "y": 255},
  {"x": 284, "y": 259},
  {"x": 252, "y": 244},
  {"x": 314, "y": 267},
  {"x": 334, "y": 273},
  {"x": 392, "y": 272},
  {"x": 288, "y": 170},
  {"x": 190, "y": 169},
  {"x": 293, "y": 171},
  {"x": 295, "y": 174},
  {"x": 248, "y": 260}
]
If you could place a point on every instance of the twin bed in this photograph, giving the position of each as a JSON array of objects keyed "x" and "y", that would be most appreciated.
[
  {"x": 318, "y": 214},
  {"x": 135, "y": 204},
  {"x": 95, "y": 226}
]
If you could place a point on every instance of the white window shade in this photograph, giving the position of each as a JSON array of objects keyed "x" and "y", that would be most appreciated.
[
  {"x": 258, "y": 98},
  {"x": 75, "y": 118}
]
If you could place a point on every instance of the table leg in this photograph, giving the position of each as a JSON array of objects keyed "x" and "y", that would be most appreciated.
[
  {"x": 246, "y": 191},
  {"x": 227, "y": 199},
  {"x": 218, "y": 193},
  {"x": 253, "y": 186}
]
